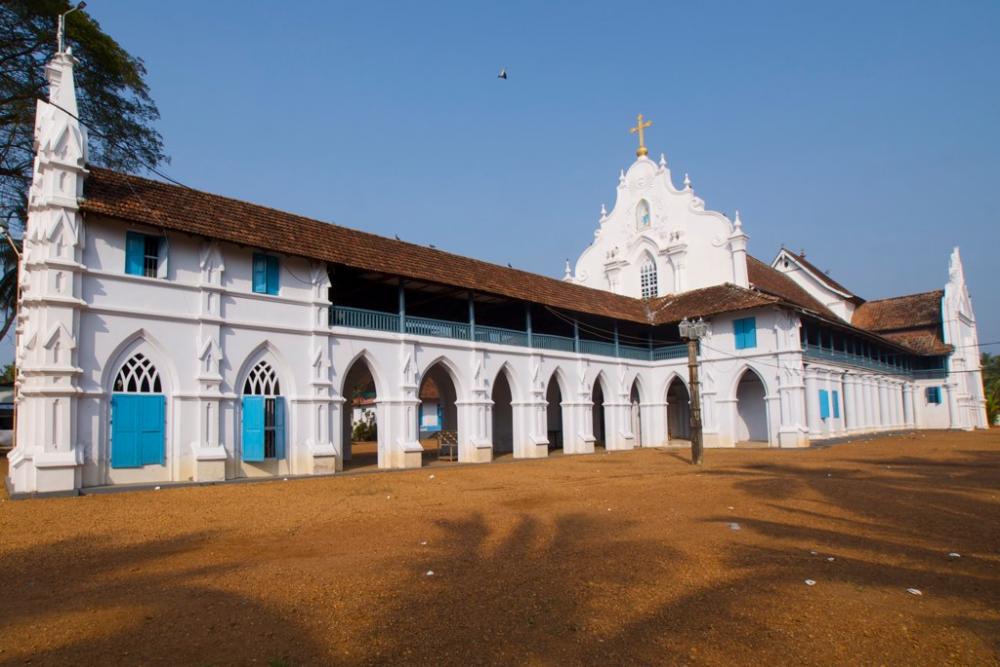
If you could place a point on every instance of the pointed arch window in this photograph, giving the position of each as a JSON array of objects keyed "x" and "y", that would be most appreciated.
[
  {"x": 137, "y": 415},
  {"x": 647, "y": 279},
  {"x": 138, "y": 375},
  {"x": 263, "y": 415},
  {"x": 642, "y": 218}
]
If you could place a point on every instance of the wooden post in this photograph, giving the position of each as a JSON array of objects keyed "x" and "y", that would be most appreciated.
[
  {"x": 527, "y": 322},
  {"x": 472, "y": 318},
  {"x": 402, "y": 306},
  {"x": 696, "y": 444}
]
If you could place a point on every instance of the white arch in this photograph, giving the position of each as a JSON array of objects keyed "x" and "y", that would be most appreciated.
[
  {"x": 738, "y": 377},
  {"x": 637, "y": 381},
  {"x": 450, "y": 368},
  {"x": 559, "y": 376},
  {"x": 515, "y": 387},
  {"x": 140, "y": 341},
  {"x": 267, "y": 350},
  {"x": 373, "y": 369},
  {"x": 600, "y": 377},
  {"x": 674, "y": 375}
]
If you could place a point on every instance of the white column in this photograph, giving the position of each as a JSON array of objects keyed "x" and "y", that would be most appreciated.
[
  {"x": 850, "y": 403},
  {"x": 812, "y": 402}
]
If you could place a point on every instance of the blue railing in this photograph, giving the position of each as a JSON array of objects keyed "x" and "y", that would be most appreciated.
[
  {"x": 501, "y": 336},
  {"x": 837, "y": 356},
  {"x": 424, "y": 326},
  {"x": 359, "y": 318},
  {"x": 678, "y": 351},
  {"x": 597, "y": 347},
  {"x": 550, "y": 342}
]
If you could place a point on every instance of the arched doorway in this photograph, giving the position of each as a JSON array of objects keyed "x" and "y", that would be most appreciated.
[
  {"x": 360, "y": 417},
  {"x": 262, "y": 414},
  {"x": 553, "y": 414},
  {"x": 137, "y": 415},
  {"x": 751, "y": 408},
  {"x": 503, "y": 415},
  {"x": 635, "y": 413},
  {"x": 437, "y": 413},
  {"x": 678, "y": 411},
  {"x": 597, "y": 413}
]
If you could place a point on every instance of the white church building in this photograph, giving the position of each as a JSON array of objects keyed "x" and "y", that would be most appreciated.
[{"x": 167, "y": 335}]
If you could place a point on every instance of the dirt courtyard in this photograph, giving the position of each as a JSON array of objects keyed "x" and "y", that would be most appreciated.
[{"x": 610, "y": 559}]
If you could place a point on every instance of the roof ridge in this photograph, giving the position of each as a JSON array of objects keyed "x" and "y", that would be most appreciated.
[{"x": 905, "y": 296}]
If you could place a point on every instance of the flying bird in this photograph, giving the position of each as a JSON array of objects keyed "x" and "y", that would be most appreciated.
[
  {"x": 502, "y": 74},
  {"x": 509, "y": 266},
  {"x": 397, "y": 236}
]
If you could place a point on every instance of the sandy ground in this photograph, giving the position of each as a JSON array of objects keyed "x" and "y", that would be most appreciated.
[{"x": 626, "y": 558}]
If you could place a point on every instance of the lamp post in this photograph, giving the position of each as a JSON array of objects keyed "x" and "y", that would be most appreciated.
[{"x": 693, "y": 332}]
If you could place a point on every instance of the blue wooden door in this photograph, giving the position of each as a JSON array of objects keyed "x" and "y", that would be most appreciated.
[
  {"x": 253, "y": 428},
  {"x": 137, "y": 422}
]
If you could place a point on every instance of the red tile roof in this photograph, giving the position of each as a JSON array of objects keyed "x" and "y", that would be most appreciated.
[
  {"x": 144, "y": 201},
  {"x": 768, "y": 279},
  {"x": 913, "y": 320},
  {"x": 822, "y": 275},
  {"x": 182, "y": 209}
]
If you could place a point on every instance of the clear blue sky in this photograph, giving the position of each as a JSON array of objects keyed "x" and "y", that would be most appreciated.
[{"x": 867, "y": 133}]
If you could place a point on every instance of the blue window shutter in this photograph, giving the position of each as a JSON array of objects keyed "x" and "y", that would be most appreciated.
[
  {"x": 836, "y": 404},
  {"x": 272, "y": 275},
  {"x": 125, "y": 432},
  {"x": 135, "y": 251},
  {"x": 750, "y": 332},
  {"x": 824, "y": 404},
  {"x": 151, "y": 429},
  {"x": 253, "y": 428},
  {"x": 738, "y": 333},
  {"x": 259, "y": 273},
  {"x": 279, "y": 427}
]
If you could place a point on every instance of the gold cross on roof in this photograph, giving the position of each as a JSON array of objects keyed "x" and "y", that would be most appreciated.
[{"x": 639, "y": 127}]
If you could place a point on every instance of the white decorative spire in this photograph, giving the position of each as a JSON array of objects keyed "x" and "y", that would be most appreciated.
[
  {"x": 687, "y": 182},
  {"x": 956, "y": 273},
  {"x": 621, "y": 178},
  {"x": 567, "y": 273},
  {"x": 62, "y": 91},
  {"x": 604, "y": 213},
  {"x": 663, "y": 161},
  {"x": 737, "y": 223}
]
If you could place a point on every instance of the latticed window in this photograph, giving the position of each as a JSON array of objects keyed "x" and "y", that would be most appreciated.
[
  {"x": 262, "y": 381},
  {"x": 647, "y": 279},
  {"x": 138, "y": 376},
  {"x": 263, "y": 417}
]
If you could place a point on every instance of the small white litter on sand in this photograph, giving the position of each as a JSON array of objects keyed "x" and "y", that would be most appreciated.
[
  {"x": 813, "y": 553},
  {"x": 914, "y": 591},
  {"x": 731, "y": 507},
  {"x": 954, "y": 554},
  {"x": 431, "y": 477},
  {"x": 285, "y": 479},
  {"x": 430, "y": 573},
  {"x": 831, "y": 559},
  {"x": 734, "y": 526},
  {"x": 423, "y": 543},
  {"x": 810, "y": 582},
  {"x": 156, "y": 488}
]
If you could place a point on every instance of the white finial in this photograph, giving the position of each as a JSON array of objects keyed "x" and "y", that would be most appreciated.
[
  {"x": 621, "y": 177},
  {"x": 568, "y": 273},
  {"x": 604, "y": 212},
  {"x": 663, "y": 161},
  {"x": 61, "y": 29},
  {"x": 687, "y": 182},
  {"x": 737, "y": 222}
]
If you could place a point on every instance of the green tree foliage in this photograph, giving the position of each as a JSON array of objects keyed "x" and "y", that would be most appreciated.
[
  {"x": 113, "y": 100},
  {"x": 991, "y": 384}
]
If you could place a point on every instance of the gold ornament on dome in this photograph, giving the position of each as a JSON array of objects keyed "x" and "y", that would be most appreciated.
[{"x": 642, "y": 151}]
